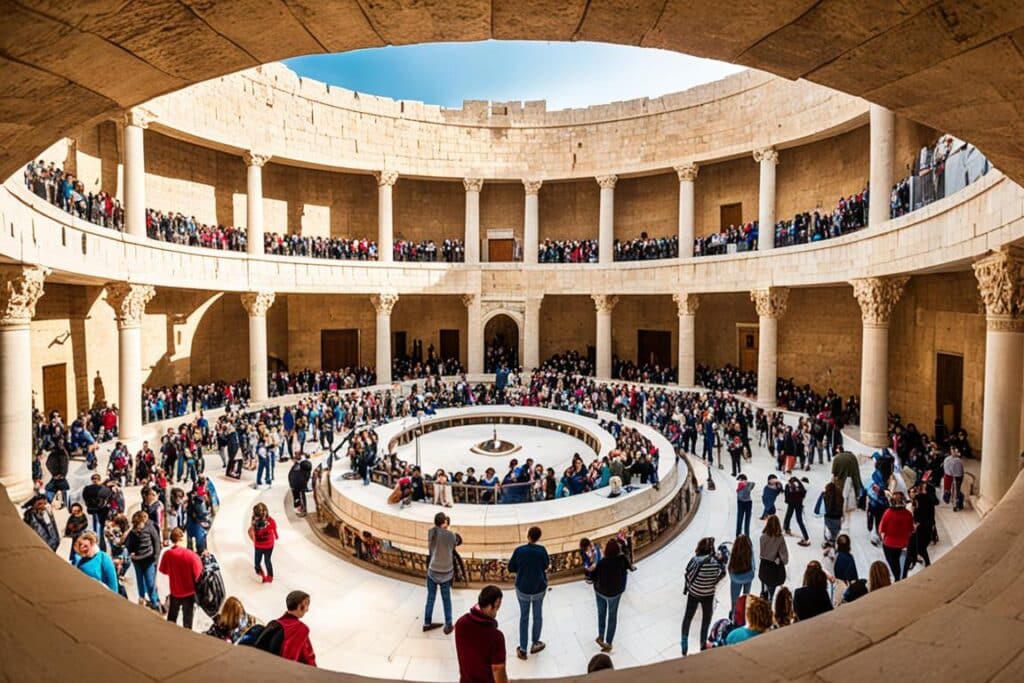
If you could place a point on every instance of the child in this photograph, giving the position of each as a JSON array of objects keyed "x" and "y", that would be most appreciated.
[{"x": 771, "y": 491}]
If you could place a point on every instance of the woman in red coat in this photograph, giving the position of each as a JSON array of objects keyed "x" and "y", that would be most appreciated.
[
  {"x": 263, "y": 532},
  {"x": 896, "y": 528}
]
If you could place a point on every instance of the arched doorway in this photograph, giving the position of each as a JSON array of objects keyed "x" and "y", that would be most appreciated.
[{"x": 501, "y": 342}]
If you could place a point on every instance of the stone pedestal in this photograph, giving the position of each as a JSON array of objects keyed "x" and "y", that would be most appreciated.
[
  {"x": 20, "y": 289},
  {"x": 475, "y": 332},
  {"x": 877, "y": 298},
  {"x": 606, "y": 219},
  {"x": 135, "y": 122},
  {"x": 129, "y": 303},
  {"x": 254, "y": 163},
  {"x": 768, "y": 158},
  {"x": 472, "y": 231},
  {"x": 687, "y": 174},
  {"x": 257, "y": 304},
  {"x": 604, "y": 304},
  {"x": 770, "y": 303},
  {"x": 883, "y": 155},
  {"x": 531, "y": 221},
  {"x": 385, "y": 218},
  {"x": 383, "y": 304},
  {"x": 688, "y": 305}
]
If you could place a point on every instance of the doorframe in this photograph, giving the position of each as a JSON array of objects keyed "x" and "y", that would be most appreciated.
[{"x": 740, "y": 327}]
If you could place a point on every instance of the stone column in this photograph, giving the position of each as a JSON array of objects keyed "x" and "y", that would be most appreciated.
[
  {"x": 768, "y": 158},
  {"x": 877, "y": 297},
  {"x": 472, "y": 238},
  {"x": 531, "y": 221},
  {"x": 604, "y": 303},
  {"x": 254, "y": 201},
  {"x": 687, "y": 174},
  {"x": 1001, "y": 283},
  {"x": 475, "y": 335},
  {"x": 257, "y": 304},
  {"x": 385, "y": 220},
  {"x": 606, "y": 219},
  {"x": 129, "y": 303},
  {"x": 135, "y": 122},
  {"x": 531, "y": 333},
  {"x": 20, "y": 289},
  {"x": 383, "y": 304},
  {"x": 688, "y": 305},
  {"x": 770, "y": 303},
  {"x": 883, "y": 155}
]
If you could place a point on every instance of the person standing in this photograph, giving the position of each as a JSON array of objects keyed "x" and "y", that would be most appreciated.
[
  {"x": 812, "y": 598},
  {"x": 744, "y": 504},
  {"x": 182, "y": 567},
  {"x": 263, "y": 533},
  {"x": 703, "y": 572},
  {"x": 741, "y": 570},
  {"x": 298, "y": 482},
  {"x": 296, "y": 645},
  {"x": 144, "y": 545},
  {"x": 896, "y": 528},
  {"x": 92, "y": 561},
  {"x": 795, "y": 494},
  {"x": 953, "y": 479},
  {"x": 773, "y": 558},
  {"x": 846, "y": 476},
  {"x": 441, "y": 542},
  {"x": 530, "y": 564},
  {"x": 479, "y": 645},
  {"x": 609, "y": 585},
  {"x": 40, "y": 519},
  {"x": 96, "y": 497}
]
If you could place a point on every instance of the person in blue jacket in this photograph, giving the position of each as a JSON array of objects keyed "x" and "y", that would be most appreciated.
[
  {"x": 92, "y": 561},
  {"x": 530, "y": 563}
]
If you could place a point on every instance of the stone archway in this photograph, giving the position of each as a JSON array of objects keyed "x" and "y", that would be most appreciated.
[{"x": 503, "y": 335}]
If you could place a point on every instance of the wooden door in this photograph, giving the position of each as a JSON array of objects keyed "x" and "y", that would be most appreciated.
[
  {"x": 500, "y": 250},
  {"x": 339, "y": 349},
  {"x": 730, "y": 214},
  {"x": 55, "y": 389},
  {"x": 747, "y": 340},
  {"x": 654, "y": 347},
  {"x": 449, "y": 344},
  {"x": 399, "y": 344},
  {"x": 949, "y": 389}
]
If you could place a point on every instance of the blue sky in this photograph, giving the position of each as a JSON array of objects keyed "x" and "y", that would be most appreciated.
[{"x": 564, "y": 74}]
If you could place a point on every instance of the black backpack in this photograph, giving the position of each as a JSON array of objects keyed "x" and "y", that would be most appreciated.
[
  {"x": 271, "y": 638},
  {"x": 210, "y": 586}
]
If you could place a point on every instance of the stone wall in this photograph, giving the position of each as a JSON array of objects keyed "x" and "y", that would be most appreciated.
[
  {"x": 316, "y": 203},
  {"x": 634, "y": 313},
  {"x": 813, "y": 177},
  {"x": 729, "y": 182},
  {"x": 716, "y": 323},
  {"x": 309, "y": 314},
  {"x": 423, "y": 318},
  {"x": 502, "y": 206},
  {"x": 570, "y": 210},
  {"x": 220, "y": 347},
  {"x": 428, "y": 210},
  {"x": 647, "y": 204},
  {"x": 568, "y": 323},
  {"x": 96, "y": 158}
]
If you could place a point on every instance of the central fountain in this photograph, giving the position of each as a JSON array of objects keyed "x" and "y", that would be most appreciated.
[{"x": 495, "y": 446}]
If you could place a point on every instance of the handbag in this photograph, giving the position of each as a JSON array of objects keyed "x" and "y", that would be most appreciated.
[{"x": 771, "y": 572}]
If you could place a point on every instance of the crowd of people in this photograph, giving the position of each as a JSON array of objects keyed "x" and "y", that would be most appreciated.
[
  {"x": 177, "y": 228},
  {"x": 849, "y": 215},
  {"x": 568, "y": 363},
  {"x": 567, "y": 251},
  {"x": 451, "y": 251},
  {"x": 163, "y": 403},
  {"x": 743, "y": 236},
  {"x": 646, "y": 248},
  {"x": 64, "y": 190},
  {"x": 648, "y": 373},
  {"x": 337, "y": 248},
  {"x": 930, "y": 179},
  {"x": 415, "y": 366}
]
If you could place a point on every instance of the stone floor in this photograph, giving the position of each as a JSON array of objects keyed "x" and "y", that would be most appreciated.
[{"x": 369, "y": 624}]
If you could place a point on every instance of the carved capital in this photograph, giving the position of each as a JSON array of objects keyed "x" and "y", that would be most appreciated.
[
  {"x": 687, "y": 171},
  {"x": 604, "y": 303},
  {"x": 687, "y": 303},
  {"x": 139, "y": 117},
  {"x": 384, "y": 303},
  {"x": 877, "y": 297},
  {"x": 468, "y": 300},
  {"x": 770, "y": 302},
  {"x": 257, "y": 304},
  {"x": 1000, "y": 278},
  {"x": 386, "y": 178},
  {"x": 769, "y": 154},
  {"x": 20, "y": 290},
  {"x": 473, "y": 184},
  {"x": 607, "y": 182},
  {"x": 129, "y": 302},
  {"x": 532, "y": 186},
  {"x": 253, "y": 158}
]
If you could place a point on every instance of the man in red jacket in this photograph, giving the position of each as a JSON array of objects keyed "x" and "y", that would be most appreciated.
[
  {"x": 296, "y": 645},
  {"x": 182, "y": 567}
]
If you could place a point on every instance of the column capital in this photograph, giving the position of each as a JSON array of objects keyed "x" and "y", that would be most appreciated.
[
  {"x": 469, "y": 299},
  {"x": 129, "y": 302},
  {"x": 138, "y": 117},
  {"x": 607, "y": 182},
  {"x": 473, "y": 184},
  {"x": 384, "y": 303},
  {"x": 770, "y": 302},
  {"x": 687, "y": 303},
  {"x": 386, "y": 178},
  {"x": 532, "y": 186},
  {"x": 254, "y": 158},
  {"x": 1000, "y": 278},
  {"x": 257, "y": 304},
  {"x": 20, "y": 289},
  {"x": 534, "y": 301},
  {"x": 769, "y": 154},
  {"x": 687, "y": 171},
  {"x": 877, "y": 297},
  {"x": 604, "y": 303}
]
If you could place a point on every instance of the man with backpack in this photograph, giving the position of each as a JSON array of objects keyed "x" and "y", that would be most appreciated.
[
  {"x": 287, "y": 636},
  {"x": 298, "y": 481}
]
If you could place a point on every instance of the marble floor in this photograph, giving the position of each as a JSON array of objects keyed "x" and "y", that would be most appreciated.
[{"x": 370, "y": 624}]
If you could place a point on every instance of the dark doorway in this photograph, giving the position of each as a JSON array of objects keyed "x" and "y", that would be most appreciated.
[
  {"x": 747, "y": 343},
  {"x": 949, "y": 389},
  {"x": 399, "y": 348},
  {"x": 592, "y": 355},
  {"x": 55, "y": 389},
  {"x": 500, "y": 250},
  {"x": 730, "y": 214},
  {"x": 653, "y": 347},
  {"x": 449, "y": 344},
  {"x": 501, "y": 343},
  {"x": 339, "y": 349}
]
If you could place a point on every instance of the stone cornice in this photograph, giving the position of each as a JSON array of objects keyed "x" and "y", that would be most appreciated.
[
  {"x": 21, "y": 287},
  {"x": 129, "y": 302},
  {"x": 257, "y": 304}
]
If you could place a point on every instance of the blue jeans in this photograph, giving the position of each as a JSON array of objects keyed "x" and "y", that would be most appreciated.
[
  {"x": 99, "y": 520},
  {"x": 536, "y": 601},
  {"x": 446, "y": 600},
  {"x": 263, "y": 558},
  {"x": 263, "y": 471},
  {"x": 739, "y": 584},
  {"x": 145, "y": 581},
  {"x": 607, "y": 608},
  {"x": 744, "y": 509}
]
